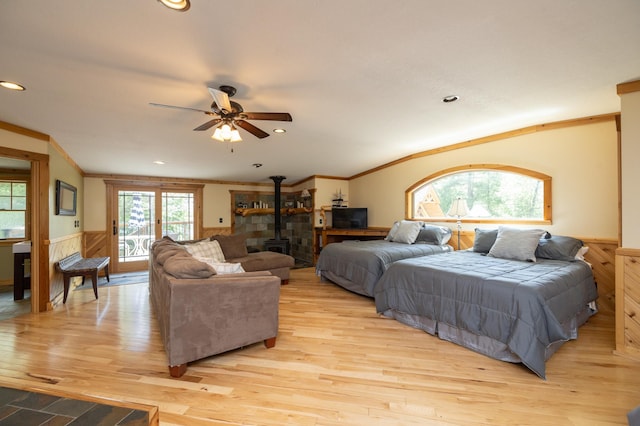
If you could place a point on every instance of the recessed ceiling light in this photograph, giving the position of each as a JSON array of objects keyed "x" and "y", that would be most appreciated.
[
  {"x": 11, "y": 85},
  {"x": 160, "y": 162},
  {"x": 179, "y": 5},
  {"x": 257, "y": 165},
  {"x": 279, "y": 131},
  {"x": 451, "y": 98}
]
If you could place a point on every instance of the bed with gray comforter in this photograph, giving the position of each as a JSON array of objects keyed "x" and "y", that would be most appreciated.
[
  {"x": 511, "y": 310},
  {"x": 358, "y": 265}
]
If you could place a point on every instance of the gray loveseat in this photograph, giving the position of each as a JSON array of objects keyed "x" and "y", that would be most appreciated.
[{"x": 201, "y": 313}]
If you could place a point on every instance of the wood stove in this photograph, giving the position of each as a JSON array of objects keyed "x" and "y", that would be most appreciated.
[{"x": 277, "y": 243}]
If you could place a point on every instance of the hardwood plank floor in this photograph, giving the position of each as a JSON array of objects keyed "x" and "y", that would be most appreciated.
[{"x": 335, "y": 363}]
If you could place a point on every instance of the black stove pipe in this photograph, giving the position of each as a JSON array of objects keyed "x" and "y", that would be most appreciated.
[{"x": 277, "y": 180}]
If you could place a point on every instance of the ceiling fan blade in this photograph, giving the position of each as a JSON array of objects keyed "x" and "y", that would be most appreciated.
[
  {"x": 251, "y": 129},
  {"x": 274, "y": 116},
  {"x": 221, "y": 99},
  {"x": 209, "y": 124},
  {"x": 179, "y": 107}
]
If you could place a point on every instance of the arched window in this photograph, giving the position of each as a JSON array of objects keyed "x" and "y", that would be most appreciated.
[{"x": 490, "y": 193}]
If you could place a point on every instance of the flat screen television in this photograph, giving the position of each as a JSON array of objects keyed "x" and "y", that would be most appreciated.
[{"x": 349, "y": 217}]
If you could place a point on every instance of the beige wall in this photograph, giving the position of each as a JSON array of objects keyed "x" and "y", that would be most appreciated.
[
  {"x": 582, "y": 161},
  {"x": 60, "y": 226},
  {"x": 13, "y": 140},
  {"x": 630, "y": 169}
]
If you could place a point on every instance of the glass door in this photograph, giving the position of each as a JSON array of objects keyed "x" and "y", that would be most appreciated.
[
  {"x": 140, "y": 215},
  {"x": 136, "y": 228}
]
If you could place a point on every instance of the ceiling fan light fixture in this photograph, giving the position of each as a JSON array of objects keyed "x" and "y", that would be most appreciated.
[
  {"x": 179, "y": 5},
  {"x": 235, "y": 136},
  {"x": 279, "y": 131},
  {"x": 226, "y": 133}
]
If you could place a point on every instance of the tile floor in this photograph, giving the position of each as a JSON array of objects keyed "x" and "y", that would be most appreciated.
[{"x": 23, "y": 408}]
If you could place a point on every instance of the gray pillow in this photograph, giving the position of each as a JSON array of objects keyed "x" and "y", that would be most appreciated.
[
  {"x": 484, "y": 240},
  {"x": 558, "y": 247},
  {"x": 407, "y": 232},
  {"x": 433, "y": 234},
  {"x": 517, "y": 244}
]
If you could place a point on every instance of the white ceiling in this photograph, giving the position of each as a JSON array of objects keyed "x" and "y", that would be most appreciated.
[{"x": 363, "y": 79}]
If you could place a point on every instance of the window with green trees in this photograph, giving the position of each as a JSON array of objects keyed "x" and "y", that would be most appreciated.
[
  {"x": 13, "y": 209},
  {"x": 493, "y": 193}
]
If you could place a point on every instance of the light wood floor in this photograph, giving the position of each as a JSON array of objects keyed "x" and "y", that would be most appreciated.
[{"x": 335, "y": 363}]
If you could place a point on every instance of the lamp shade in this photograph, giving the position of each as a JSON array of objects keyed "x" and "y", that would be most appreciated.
[
  {"x": 459, "y": 208},
  {"x": 305, "y": 193}
]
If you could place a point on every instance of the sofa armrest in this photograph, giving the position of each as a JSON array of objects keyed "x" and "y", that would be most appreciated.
[{"x": 208, "y": 317}]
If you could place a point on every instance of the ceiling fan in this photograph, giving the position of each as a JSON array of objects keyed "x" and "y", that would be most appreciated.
[{"x": 230, "y": 114}]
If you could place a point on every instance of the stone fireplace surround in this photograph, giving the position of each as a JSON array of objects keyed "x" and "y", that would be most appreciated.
[{"x": 259, "y": 228}]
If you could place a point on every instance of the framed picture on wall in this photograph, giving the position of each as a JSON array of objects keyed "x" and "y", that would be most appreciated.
[{"x": 66, "y": 199}]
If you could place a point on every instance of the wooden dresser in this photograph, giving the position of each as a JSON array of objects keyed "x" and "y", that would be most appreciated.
[{"x": 322, "y": 237}]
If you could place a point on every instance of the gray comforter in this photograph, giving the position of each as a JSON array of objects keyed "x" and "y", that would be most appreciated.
[
  {"x": 358, "y": 265},
  {"x": 526, "y": 306}
]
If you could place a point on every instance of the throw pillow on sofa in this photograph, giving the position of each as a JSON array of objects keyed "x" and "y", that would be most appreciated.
[
  {"x": 161, "y": 256},
  {"x": 233, "y": 246},
  {"x": 188, "y": 267},
  {"x": 208, "y": 249}
]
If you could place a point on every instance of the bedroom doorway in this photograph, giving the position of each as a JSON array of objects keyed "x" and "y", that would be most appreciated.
[{"x": 142, "y": 214}]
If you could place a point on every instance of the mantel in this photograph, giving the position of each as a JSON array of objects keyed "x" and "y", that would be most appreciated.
[{"x": 287, "y": 211}]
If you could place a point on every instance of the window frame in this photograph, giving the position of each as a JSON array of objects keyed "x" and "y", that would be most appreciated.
[
  {"x": 546, "y": 179},
  {"x": 18, "y": 178}
]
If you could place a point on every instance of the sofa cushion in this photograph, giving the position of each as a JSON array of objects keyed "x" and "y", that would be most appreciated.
[
  {"x": 162, "y": 253},
  {"x": 187, "y": 267},
  {"x": 265, "y": 260},
  {"x": 208, "y": 249},
  {"x": 233, "y": 246}
]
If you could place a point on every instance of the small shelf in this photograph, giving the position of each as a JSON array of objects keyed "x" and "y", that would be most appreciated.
[{"x": 285, "y": 211}]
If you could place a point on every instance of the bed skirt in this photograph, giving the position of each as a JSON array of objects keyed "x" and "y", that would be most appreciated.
[{"x": 483, "y": 344}]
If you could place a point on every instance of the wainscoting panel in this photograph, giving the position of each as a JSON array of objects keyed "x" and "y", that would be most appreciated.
[
  {"x": 95, "y": 244},
  {"x": 602, "y": 257},
  {"x": 59, "y": 249},
  {"x": 628, "y": 302}
]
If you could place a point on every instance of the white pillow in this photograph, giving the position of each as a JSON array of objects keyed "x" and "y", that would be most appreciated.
[
  {"x": 222, "y": 268},
  {"x": 518, "y": 244},
  {"x": 392, "y": 231},
  {"x": 581, "y": 252},
  {"x": 407, "y": 232},
  {"x": 207, "y": 249}
]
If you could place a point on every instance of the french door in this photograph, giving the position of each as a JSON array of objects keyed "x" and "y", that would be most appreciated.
[{"x": 142, "y": 214}]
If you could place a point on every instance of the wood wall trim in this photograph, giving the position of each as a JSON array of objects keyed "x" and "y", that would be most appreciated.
[
  {"x": 629, "y": 87},
  {"x": 64, "y": 238},
  {"x": 624, "y": 251},
  {"x": 22, "y": 155},
  {"x": 493, "y": 138},
  {"x": 24, "y": 131}
]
